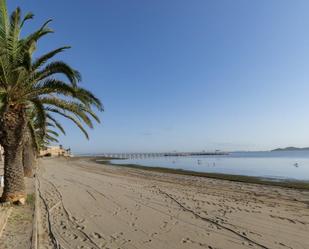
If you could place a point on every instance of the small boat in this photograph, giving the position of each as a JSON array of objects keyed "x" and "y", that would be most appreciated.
[{"x": 296, "y": 165}]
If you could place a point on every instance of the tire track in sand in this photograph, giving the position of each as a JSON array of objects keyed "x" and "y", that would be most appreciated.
[{"x": 62, "y": 226}]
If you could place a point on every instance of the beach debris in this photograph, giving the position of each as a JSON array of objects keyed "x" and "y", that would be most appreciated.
[{"x": 21, "y": 201}]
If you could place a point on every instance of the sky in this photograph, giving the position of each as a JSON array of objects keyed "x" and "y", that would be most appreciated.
[{"x": 183, "y": 75}]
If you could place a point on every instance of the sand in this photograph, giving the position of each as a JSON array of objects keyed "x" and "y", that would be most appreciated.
[{"x": 87, "y": 205}]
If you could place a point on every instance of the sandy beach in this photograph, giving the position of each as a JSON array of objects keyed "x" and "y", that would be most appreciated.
[{"x": 88, "y": 205}]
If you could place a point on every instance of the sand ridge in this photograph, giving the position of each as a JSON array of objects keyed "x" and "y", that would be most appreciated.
[{"x": 86, "y": 205}]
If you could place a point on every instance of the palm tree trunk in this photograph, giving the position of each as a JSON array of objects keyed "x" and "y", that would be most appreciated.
[
  {"x": 29, "y": 155},
  {"x": 12, "y": 125}
]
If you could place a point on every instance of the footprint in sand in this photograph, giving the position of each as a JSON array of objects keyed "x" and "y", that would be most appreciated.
[
  {"x": 185, "y": 240},
  {"x": 137, "y": 206},
  {"x": 164, "y": 225},
  {"x": 78, "y": 220},
  {"x": 80, "y": 227},
  {"x": 116, "y": 236},
  {"x": 147, "y": 241},
  {"x": 96, "y": 235},
  {"x": 81, "y": 220},
  {"x": 153, "y": 234},
  {"x": 73, "y": 236}
]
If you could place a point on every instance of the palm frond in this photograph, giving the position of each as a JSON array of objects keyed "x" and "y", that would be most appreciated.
[
  {"x": 31, "y": 40},
  {"x": 73, "y": 107},
  {"x": 40, "y": 115},
  {"x": 49, "y": 86},
  {"x": 49, "y": 131},
  {"x": 4, "y": 21},
  {"x": 73, "y": 119},
  {"x": 59, "y": 67},
  {"x": 56, "y": 123},
  {"x": 44, "y": 58},
  {"x": 50, "y": 138},
  {"x": 88, "y": 98},
  {"x": 27, "y": 17}
]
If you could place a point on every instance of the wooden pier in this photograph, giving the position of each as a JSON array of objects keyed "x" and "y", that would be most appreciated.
[{"x": 161, "y": 154}]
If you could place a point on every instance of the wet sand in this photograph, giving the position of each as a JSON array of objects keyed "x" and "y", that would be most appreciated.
[{"x": 87, "y": 205}]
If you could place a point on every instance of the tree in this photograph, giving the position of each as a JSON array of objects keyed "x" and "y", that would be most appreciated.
[
  {"x": 36, "y": 139},
  {"x": 29, "y": 154},
  {"x": 31, "y": 85}
]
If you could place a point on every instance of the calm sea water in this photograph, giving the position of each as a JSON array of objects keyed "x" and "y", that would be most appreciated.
[{"x": 277, "y": 165}]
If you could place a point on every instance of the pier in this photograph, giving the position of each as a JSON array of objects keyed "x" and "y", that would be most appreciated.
[{"x": 160, "y": 154}]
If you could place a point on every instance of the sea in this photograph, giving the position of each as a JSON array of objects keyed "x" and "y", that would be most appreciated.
[{"x": 277, "y": 165}]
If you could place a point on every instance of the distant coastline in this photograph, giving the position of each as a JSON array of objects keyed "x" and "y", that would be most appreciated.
[{"x": 291, "y": 149}]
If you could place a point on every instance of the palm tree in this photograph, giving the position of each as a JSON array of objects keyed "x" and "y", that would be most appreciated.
[
  {"x": 29, "y": 154},
  {"x": 36, "y": 138},
  {"x": 31, "y": 85}
]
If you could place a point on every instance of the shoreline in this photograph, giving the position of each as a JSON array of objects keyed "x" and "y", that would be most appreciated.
[{"x": 286, "y": 183}]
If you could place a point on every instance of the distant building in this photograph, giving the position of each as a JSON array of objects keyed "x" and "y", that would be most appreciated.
[
  {"x": 56, "y": 151},
  {"x": 48, "y": 151}
]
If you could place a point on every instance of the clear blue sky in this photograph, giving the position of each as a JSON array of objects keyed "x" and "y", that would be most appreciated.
[{"x": 186, "y": 75}]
